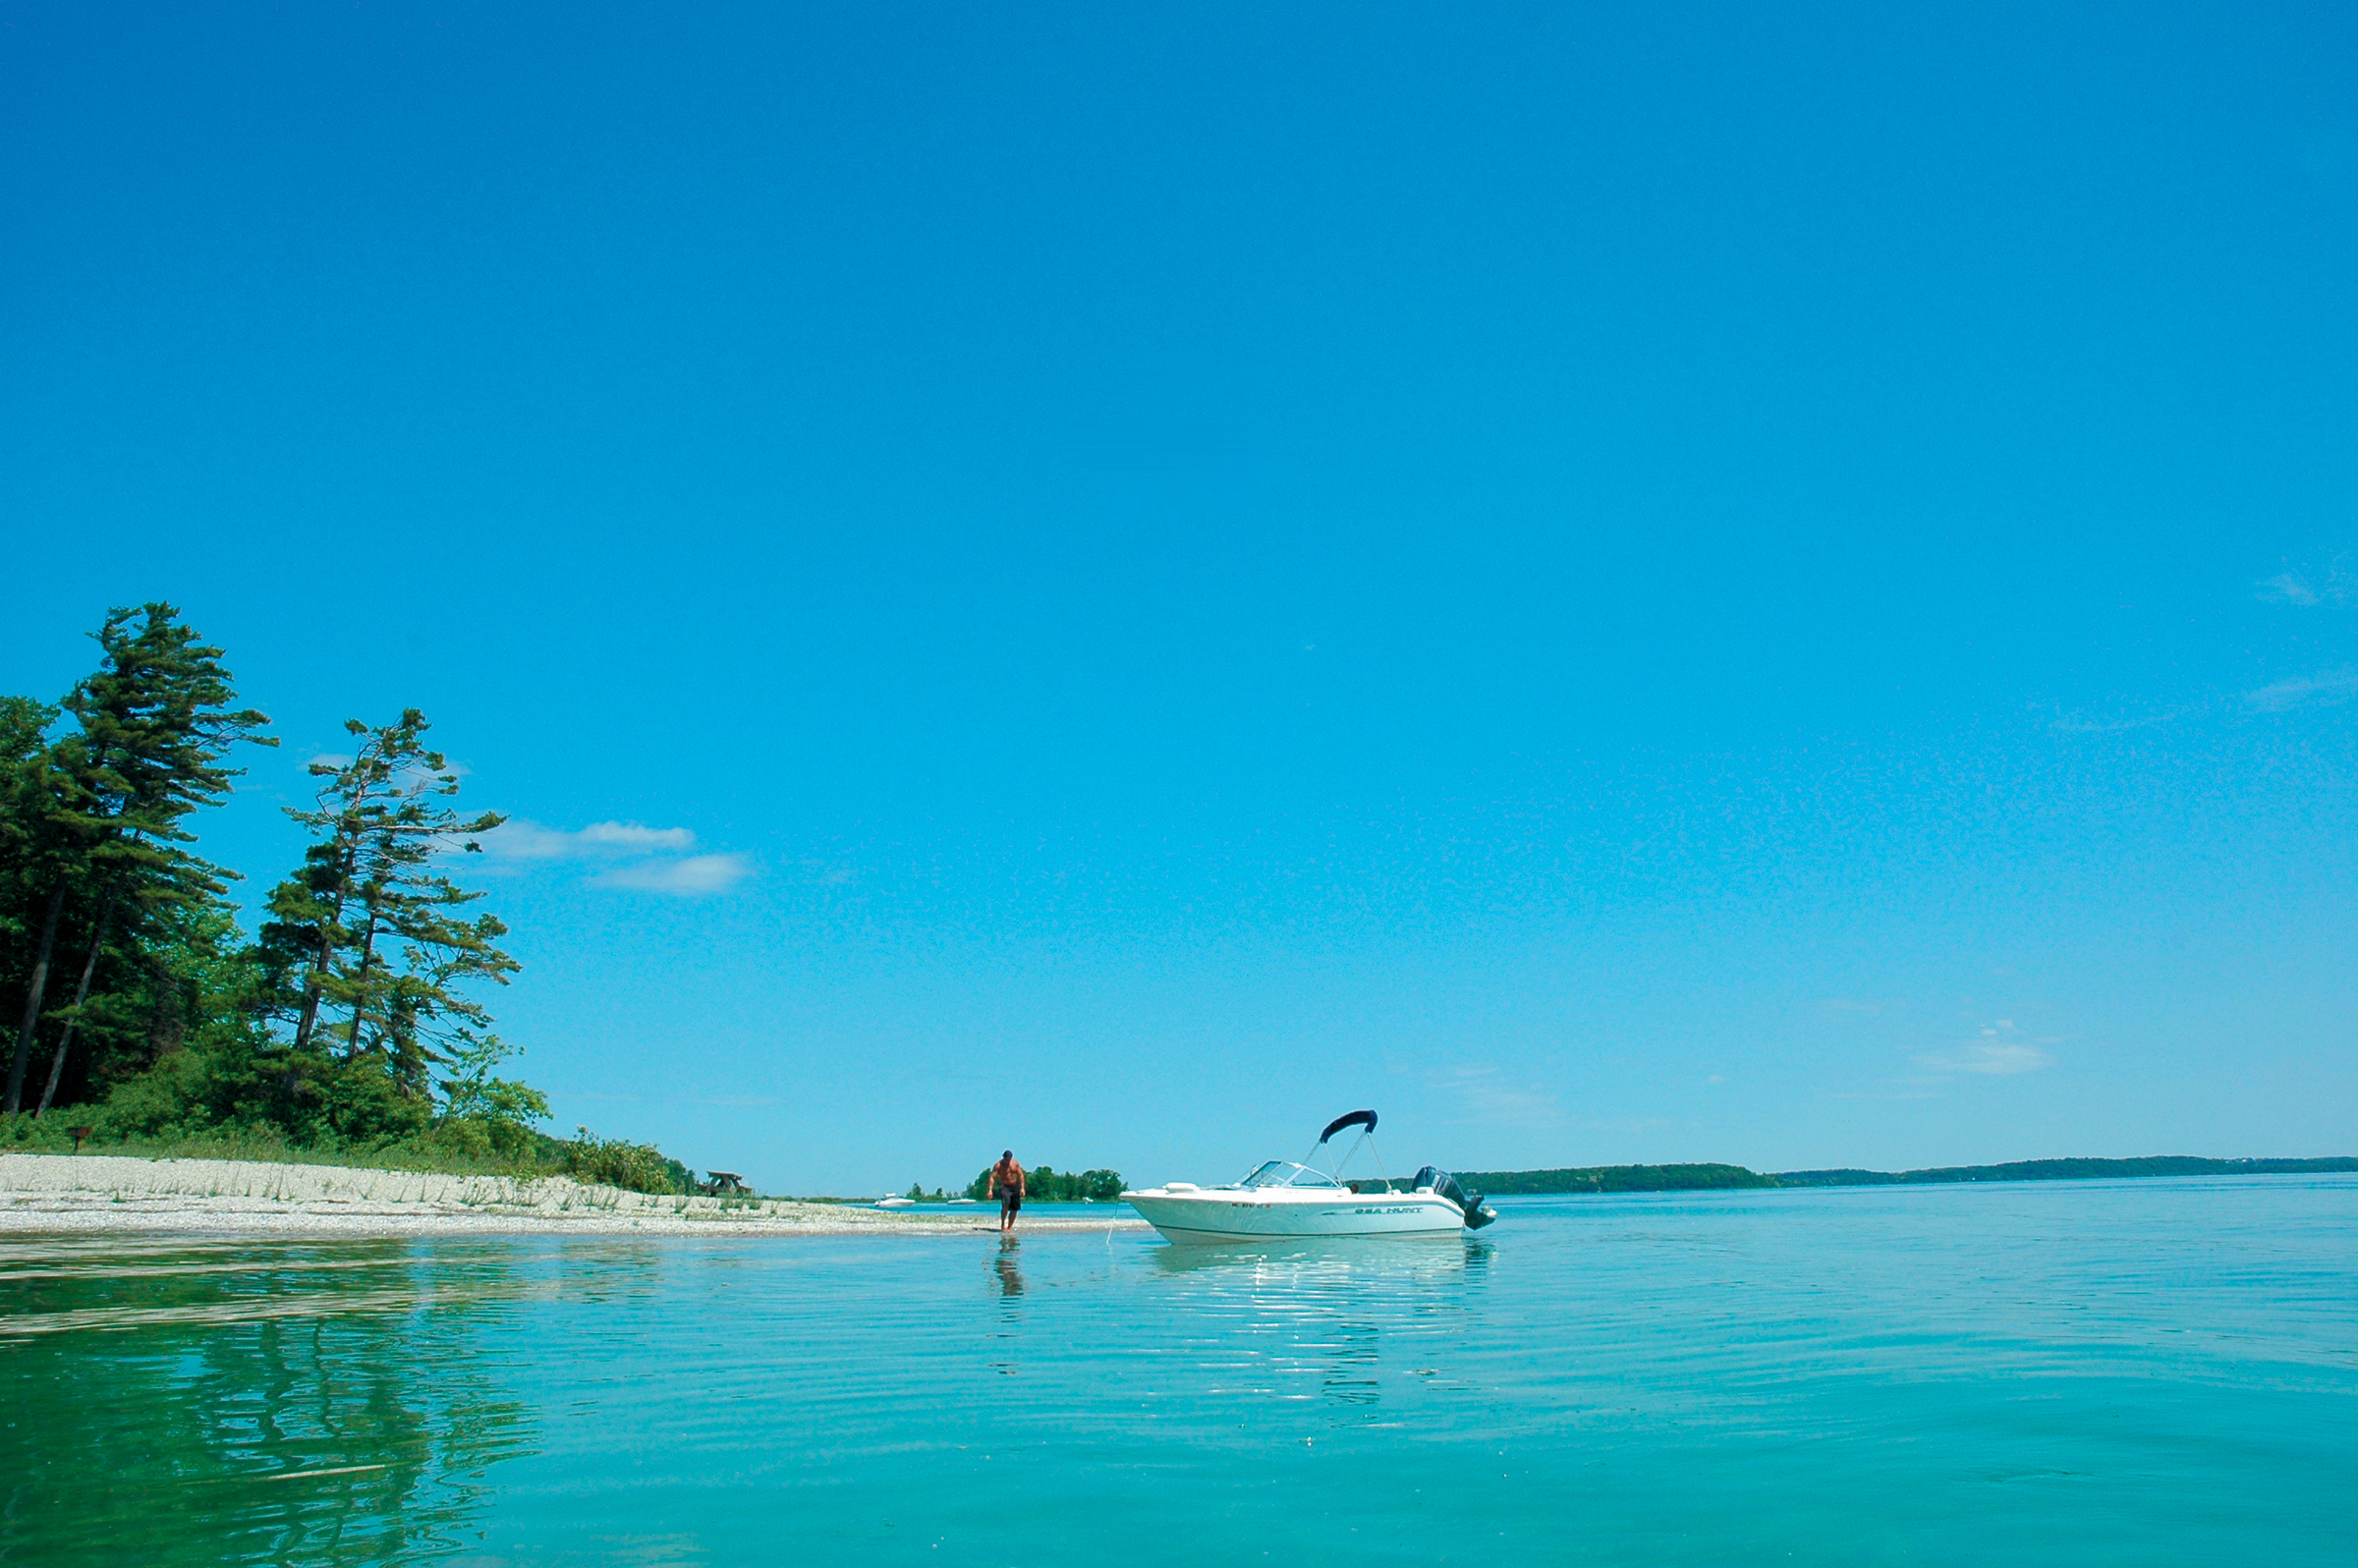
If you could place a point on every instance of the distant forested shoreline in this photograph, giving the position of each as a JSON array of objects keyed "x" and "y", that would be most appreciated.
[
  {"x": 1706, "y": 1178},
  {"x": 1613, "y": 1179},
  {"x": 2068, "y": 1170}
]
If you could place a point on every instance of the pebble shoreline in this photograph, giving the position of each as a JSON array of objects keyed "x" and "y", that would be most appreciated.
[{"x": 98, "y": 1193}]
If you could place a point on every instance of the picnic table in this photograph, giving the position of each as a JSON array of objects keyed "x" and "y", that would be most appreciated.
[{"x": 725, "y": 1181}]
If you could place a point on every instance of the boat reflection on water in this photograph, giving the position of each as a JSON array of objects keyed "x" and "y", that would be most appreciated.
[
  {"x": 1338, "y": 1259},
  {"x": 1356, "y": 1323}
]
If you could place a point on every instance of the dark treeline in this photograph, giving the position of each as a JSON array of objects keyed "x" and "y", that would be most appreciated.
[
  {"x": 1700, "y": 1178},
  {"x": 2067, "y": 1170},
  {"x": 352, "y": 1018},
  {"x": 1612, "y": 1179},
  {"x": 1048, "y": 1185}
]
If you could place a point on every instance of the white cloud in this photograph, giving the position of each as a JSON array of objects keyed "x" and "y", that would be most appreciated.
[
  {"x": 2006, "y": 1060},
  {"x": 634, "y": 855},
  {"x": 2305, "y": 690},
  {"x": 632, "y": 835},
  {"x": 693, "y": 877},
  {"x": 1996, "y": 1054},
  {"x": 526, "y": 840},
  {"x": 2288, "y": 587}
]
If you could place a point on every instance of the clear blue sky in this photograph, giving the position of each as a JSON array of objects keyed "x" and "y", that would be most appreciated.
[{"x": 1632, "y": 584}]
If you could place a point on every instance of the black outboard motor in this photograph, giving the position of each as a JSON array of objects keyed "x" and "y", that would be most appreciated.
[{"x": 1476, "y": 1213}]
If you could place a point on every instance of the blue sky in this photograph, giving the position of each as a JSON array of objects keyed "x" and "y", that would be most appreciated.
[{"x": 1630, "y": 584}]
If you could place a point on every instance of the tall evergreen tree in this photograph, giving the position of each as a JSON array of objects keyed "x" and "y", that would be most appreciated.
[
  {"x": 41, "y": 861},
  {"x": 153, "y": 726},
  {"x": 26, "y": 797},
  {"x": 385, "y": 945},
  {"x": 24, "y": 751}
]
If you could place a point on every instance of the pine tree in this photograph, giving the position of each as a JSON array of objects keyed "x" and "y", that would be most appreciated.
[
  {"x": 383, "y": 936},
  {"x": 153, "y": 726},
  {"x": 28, "y": 794}
]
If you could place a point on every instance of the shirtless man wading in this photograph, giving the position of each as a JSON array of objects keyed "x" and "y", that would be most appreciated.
[{"x": 1007, "y": 1186}]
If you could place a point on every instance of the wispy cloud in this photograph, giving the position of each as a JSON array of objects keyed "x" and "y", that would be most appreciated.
[
  {"x": 2305, "y": 690},
  {"x": 526, "y": 840},
  {"x": 1999, "y": 1053},
  {"x": 2319, "y": 689},
  {"x": 632, "y": 835},
  {"x": 631, "y": 855},
  {"x": 694, "y": 876},
  {"x": 2003, "y": 1060},
  {"x": 2336, "y": 584},
  {"x": 2288, "y": 587}
]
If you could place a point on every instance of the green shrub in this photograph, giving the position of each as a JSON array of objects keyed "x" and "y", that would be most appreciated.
[
  {"x": 618, "y": 1162},
  {"x": 199, "y": 1104}
]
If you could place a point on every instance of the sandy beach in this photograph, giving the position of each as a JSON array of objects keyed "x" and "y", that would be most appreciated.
[{"x": 53, "y": 1193}]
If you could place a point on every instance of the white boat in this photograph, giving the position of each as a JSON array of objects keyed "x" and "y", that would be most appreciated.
[
  {"x": 1290, "y": 1198},
  {"x": 896, "y": 1203},
  {"x": 961, "y": 1200}
]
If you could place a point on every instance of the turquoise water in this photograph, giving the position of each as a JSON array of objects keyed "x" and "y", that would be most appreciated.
[{"x": 2143, "y": 1373}]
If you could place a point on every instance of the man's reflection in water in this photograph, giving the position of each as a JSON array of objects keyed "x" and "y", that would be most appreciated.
[
  {"x": 1352, "y": 1361},
  {"x": 1011, "y": 1277}
]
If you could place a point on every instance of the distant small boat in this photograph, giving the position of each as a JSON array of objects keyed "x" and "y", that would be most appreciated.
[
  {"x": 896, "y": 1203},
  {"x": 961, "y": 1200}
]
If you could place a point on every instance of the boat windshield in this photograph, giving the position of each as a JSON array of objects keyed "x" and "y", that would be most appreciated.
[{"x": 1285, "y": 1173}]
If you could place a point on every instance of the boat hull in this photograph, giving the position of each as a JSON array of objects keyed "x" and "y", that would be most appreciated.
[{"x": 1232, "y": 1216}]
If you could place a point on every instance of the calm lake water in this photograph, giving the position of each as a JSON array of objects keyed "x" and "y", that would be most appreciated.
[{"x": 2147, "y": 1372}]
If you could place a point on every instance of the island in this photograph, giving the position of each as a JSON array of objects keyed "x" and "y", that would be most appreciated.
[{"x": 1715, "y": 1177}]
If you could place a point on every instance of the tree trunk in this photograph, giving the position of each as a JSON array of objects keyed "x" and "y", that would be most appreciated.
[
  {"x": 310, "y": 991},
  {"x": 82, "y": 993},
  {"x": 319, "y": 965},
  {"x": 33, "y": 995},
  {"x": 311, "y": 995},
  {"x": 360, "y": 982},
  {"x": 167, "y": 1016}
]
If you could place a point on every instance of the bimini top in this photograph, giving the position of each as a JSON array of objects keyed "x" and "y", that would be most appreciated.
[{"x": 1362, "y": 1118}]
